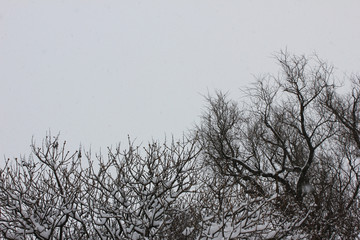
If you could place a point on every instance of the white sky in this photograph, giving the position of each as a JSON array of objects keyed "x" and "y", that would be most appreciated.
[{"x": 99, "y": 70}]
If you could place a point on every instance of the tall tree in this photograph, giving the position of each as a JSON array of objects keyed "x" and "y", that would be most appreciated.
[{"x": 287, "y": 139}]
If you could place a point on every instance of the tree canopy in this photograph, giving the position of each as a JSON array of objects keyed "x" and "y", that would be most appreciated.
[{"x": 283, "y": 163}]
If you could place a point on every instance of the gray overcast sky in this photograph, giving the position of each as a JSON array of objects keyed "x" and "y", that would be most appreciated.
[{"x": 99, "y": 70}]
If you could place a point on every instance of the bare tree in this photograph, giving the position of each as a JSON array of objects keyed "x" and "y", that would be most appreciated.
[
  {"x": 284, "y": 141},
  {"x": 134, "y": 193},
  {"x": 39, "y": 197}
]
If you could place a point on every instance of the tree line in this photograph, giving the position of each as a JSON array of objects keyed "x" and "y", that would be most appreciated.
[{"x": 282, "y": 163}]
